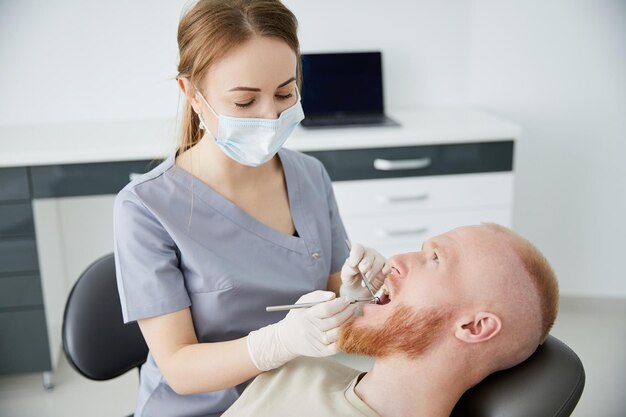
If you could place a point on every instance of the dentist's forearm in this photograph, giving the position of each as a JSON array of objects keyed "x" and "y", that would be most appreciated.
[{"x": 206, "y": 367}]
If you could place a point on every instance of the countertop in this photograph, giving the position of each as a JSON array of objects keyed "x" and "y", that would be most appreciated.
[{"x": 110, "y": 141}]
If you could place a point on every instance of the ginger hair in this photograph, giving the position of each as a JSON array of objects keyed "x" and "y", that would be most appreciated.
[{"x": 539, "y": 272}]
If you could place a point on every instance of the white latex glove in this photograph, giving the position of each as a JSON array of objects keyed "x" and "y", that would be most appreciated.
[
  {"x": 303, "y": 332},
  {"x": 368, "y": 263}
]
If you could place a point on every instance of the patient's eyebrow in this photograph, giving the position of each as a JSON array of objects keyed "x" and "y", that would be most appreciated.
[
  {"x": 449, "y": 250},
  {"x": 436, "y": 246}
]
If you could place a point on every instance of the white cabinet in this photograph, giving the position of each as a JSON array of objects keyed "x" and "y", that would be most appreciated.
[{"x": 397, "y": 215}]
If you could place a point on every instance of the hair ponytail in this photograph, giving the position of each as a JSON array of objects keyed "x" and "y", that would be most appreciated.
[{"x": 190, "y": 132}]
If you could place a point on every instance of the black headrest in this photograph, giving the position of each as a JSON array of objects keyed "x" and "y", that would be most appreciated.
[{"x": 548, "y": 384}]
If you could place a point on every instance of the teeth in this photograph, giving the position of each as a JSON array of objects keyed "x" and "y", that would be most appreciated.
[{"x": 385, "y": 289}]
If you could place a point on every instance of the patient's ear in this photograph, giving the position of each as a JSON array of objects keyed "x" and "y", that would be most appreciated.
[{"x": 478, "y": 328}]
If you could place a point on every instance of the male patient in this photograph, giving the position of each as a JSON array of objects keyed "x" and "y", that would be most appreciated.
[{"x": 473, "y": 301}]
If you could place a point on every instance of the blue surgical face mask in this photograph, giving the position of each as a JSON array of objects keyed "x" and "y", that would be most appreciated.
[{"x": 252, "y": 141}]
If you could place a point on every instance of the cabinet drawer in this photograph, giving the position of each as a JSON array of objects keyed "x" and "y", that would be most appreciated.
[
  {"x": 24, "y": 342},
  {"x": 20, "y": 291},
  {"x": 408, "y": 195},
  {"x": 14, "y": 184},
  {"x": 18, "y": 255},
  {"x": 406, "y": 233},
  {"x": 85, "y": 179},
  {"x": 16, "y": 220},
  {"x": 411, "y": 161}
]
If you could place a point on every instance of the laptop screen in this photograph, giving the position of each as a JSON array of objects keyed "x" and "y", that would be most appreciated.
[{"x": 342, "y": 83}]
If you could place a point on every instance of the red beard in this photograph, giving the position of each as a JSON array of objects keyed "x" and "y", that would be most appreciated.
[{"x": 407, "y": 331}]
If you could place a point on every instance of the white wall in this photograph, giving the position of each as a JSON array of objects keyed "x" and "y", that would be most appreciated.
[
  {"x": 558, "y": 68},
  {"x": 73, "y": 60},
  {"x": 424, "y": 43}
]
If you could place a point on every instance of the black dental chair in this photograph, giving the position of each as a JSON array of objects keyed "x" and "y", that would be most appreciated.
[
  {"x": 96, "y": 342},
  {"x": 100, "y": 347}
]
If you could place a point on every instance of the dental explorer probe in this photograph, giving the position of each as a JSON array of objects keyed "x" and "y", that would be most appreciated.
[{"x": 367, "y": 284}]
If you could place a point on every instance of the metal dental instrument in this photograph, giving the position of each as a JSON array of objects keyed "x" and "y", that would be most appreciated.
[
  {"x": 307, "y": 305},
  {"x": 367, "y": 284}
]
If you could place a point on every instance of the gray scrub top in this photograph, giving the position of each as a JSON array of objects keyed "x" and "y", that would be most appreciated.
[{"x": 180, "y": 244}]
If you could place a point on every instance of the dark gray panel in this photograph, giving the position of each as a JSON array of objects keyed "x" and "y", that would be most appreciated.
[
  {"x": 466, "y": 158},
  {"x": 20, "y": 291},
  {"x": 18, "y": 255},
  {"x": 23, "y": 342},
  {"x": 16, "y": 219},
  {"x": 14, "y": 184},
  {"x": 85, "y": 179}
]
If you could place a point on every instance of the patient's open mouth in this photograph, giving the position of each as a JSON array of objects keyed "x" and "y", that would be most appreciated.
[
  {"x": 383, "y": 294},
  {"x": 384, "y": 298}
]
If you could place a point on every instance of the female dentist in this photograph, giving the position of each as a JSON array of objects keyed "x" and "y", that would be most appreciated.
[{"x": 231, "y": 223}]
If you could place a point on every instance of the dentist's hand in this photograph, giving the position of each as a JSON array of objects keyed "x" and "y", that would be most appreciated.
[
  {"x": 303, "y": 332},
  {"x": 362, "y": 261}
]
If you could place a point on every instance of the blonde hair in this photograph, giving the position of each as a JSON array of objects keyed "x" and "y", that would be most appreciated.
[
  {"x": 540, "y": 273},
  {"x": 211, "y": 28}
]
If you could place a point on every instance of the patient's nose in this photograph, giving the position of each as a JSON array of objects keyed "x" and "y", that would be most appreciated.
[
  {"x": 407, "y": 262},
  {"x": 401, "y": 264}
]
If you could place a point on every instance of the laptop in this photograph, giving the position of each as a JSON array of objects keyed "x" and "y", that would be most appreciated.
[{"x": 343, "y": 90}]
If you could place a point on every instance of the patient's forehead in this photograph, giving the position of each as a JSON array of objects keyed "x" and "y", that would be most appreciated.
[
  {"x": 478, "y": 249},
  {"x": 468, "y": 238}
]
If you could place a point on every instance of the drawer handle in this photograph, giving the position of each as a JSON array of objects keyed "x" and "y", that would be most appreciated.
[
  {"x": 134, "y": 175},
  {"x": 388, "y": 165},
  {"x": 402, "y": 199},
  {"x": 406, "y": 232}
]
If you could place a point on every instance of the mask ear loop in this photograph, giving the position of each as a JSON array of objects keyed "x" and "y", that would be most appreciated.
[
  {"x": 298, "y": 91},
  {"x": 203, "y": 124}
]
